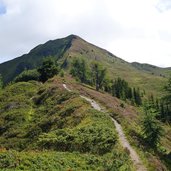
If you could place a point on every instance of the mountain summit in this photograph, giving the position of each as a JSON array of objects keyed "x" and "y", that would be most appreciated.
[
  {"x": 65, "y": 49},
  {"x": 31, "y": 60}
]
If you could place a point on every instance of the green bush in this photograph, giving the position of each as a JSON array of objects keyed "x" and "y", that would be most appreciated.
[
  {"x": 93, "y": 139},
  {"x": 57, "y": 129},
  {"x": 48, "y": 69},
  {"x": 50, "y": 160},
  {"x": 27, "y": 75}
]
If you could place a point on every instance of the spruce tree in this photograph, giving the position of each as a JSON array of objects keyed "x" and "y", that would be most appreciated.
[
  {"x": 48, "y": 69},
  {"x": 151, "y": 127},
  {"x": 1, "y": 82},
  {"x": 98, "y": 75},
  {"x": 137, "y": 96},
  {"x": 79, "y": 69},
  {"x": 166, "y": 100}
]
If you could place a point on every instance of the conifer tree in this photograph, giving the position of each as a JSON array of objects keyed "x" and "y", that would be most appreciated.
[
  {"x": 167, "y": 88},
  {"x": 98, "y": 75},
  {"x": 137, "y": 96},
  {"x": 152, "y": 130},
  {"x": 48, "y": 69},
  {"x": 79, "y": 69},
  {"x": 166, "y": 100},
  {"x": 1, "y": 82}
]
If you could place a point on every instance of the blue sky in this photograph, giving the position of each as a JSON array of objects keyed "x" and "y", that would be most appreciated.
[
  {"x": 2, "y": 8},
  {"x": 134, "y": 30}
]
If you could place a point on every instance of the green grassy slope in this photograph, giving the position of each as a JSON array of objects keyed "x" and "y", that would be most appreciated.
[
  {"x": 116, "y": 66},
  {"x": 151, "y": 69},
  {"x": 43, "y": 126},
  {"x": 73, "y": 46},
  {"x": 33, "y": 59},
  {"x": 130, "y": 117}
]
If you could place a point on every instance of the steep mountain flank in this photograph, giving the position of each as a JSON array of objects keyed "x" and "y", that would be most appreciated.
[
  {"x": 152, "y": 83},
  {"x": 151, "y": 69},
  {"x": 33, "y": 59},
  {"x": 66, "y": 49}
]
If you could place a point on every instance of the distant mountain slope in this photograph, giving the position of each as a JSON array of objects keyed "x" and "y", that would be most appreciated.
[
  {"x": 31, "y": 60},
  {"x": 73, "y": 46},
  {"x": 116, "y": 66},
  {"x": 151, "y": 69}
]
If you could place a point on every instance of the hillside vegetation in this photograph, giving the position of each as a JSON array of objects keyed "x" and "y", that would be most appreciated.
[
  {"x": 151, "y": 69},
  {"x": 131, "y": 118},
  {"x": 43, "y": 126},
  {"x": 66, "y": 49},
  {"x": 34, "y": 58}
]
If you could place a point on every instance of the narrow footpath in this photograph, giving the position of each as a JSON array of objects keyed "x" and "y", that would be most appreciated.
[{"x": 122, "y": 138}]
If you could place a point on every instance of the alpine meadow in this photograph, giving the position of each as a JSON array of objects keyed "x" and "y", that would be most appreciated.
[{"x": 71, "y": 105}]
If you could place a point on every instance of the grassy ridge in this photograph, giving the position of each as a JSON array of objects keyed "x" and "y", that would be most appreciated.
[
  {"x": 151, "y": 83},
  {"x": 47, "y": 127},
  {"x": 33, "y": 59},
  {"x": 130, "y": 118},
  {"x": 151, "y": 69},
  {"x": 147, "y": 77}
]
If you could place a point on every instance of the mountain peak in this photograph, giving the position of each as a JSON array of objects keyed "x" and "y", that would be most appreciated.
[
  {"x": 72, "y": 36},
  {"x": 68, "y": 48}
]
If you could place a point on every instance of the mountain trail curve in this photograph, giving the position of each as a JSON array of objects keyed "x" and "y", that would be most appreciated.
[{"x": 122, "y": 138}]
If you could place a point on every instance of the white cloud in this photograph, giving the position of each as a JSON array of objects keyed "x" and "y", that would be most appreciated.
[
  {"x": 135, "y": 30},
  {"x": 163, "y": 5}
]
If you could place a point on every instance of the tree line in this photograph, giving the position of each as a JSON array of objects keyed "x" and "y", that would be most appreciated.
[
  {"x": 47, "y": 70},
  {"x": 156, "y": 111},
  {"x": 96, "y": 75},
  {"x": 162, "y": 105}
]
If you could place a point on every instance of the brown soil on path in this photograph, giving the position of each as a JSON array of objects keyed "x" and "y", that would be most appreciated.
[{"x": 123, "y": 140}]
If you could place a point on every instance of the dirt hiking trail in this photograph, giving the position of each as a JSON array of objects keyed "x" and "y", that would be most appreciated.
[{"x": 122, "y": 138}]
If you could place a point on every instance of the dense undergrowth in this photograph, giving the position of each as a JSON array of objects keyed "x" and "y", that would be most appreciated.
[
  {"x": 131, "y": 120},
  {"x": 51, "y": 160},
  {"x": 45, "y": 127}
]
